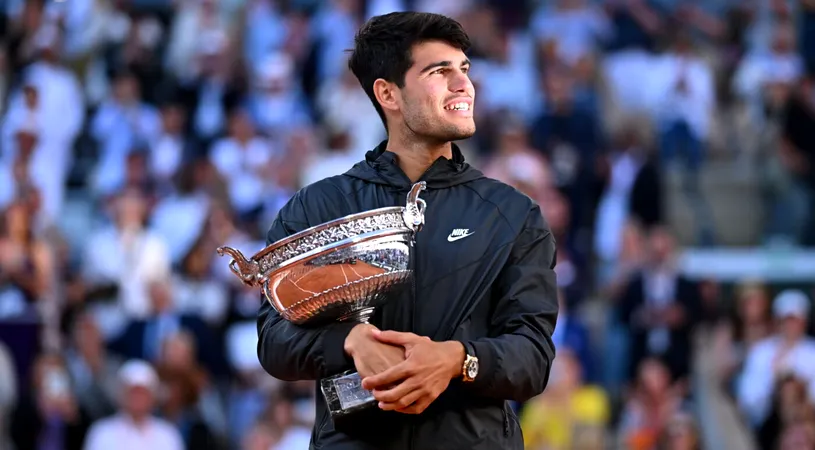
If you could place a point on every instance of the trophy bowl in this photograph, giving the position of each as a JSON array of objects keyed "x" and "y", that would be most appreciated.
[{"x": 340, "y": 270}]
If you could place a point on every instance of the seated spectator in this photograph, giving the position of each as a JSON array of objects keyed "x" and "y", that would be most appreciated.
[
  {"x": 752, "y": 324},
  {"x": 134, "y": 427},
  {"x": 572, "y": 333},
  {"x": 682, "y": 433},
  {"x": 92, "y": 368},
  {"x": 121, "y": 260},
  {"x": 189, "y": 401},
  {"x": 788, "y": 351},
  {"x": 144, "y": 338},
  {"x": 791, "y": 406},
  {"x": 48, "y": 415},
  {"x": 295, "y": 431},
  {"x": 654, "y": 401},
  {"x": 661, "y": 307},
  {"x": 26, "y": 264},
  {"x": 260, "y": 437},
  {"x": 568, "y": 411}
]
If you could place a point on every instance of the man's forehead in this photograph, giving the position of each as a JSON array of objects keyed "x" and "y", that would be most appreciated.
[{"x": 433, "y": 51}]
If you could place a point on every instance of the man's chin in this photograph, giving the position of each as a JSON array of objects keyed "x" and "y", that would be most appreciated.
[{"x": 461, "y": 134}]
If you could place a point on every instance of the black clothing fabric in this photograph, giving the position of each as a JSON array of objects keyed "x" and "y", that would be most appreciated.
[{"x": 495, "y": 291}]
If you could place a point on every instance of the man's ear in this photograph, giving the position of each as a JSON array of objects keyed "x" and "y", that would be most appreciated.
[{"x": 387, "y": 94}]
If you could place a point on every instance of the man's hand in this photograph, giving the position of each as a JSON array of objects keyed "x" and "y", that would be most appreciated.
[
  {"x": 371, "y": 356},
  {"x": 411, "y": 386}
]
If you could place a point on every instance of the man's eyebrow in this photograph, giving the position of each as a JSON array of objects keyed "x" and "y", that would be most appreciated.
[{"x": 437, "y": 64}]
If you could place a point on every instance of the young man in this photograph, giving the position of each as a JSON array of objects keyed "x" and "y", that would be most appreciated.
[{"x": 477, "y": 330}]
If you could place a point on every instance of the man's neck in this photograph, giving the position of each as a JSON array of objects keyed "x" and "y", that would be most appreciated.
[{"x": 416, "y": 156}]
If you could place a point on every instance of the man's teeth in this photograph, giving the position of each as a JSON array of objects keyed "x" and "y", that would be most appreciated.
[{"x": 463, "y": 106}]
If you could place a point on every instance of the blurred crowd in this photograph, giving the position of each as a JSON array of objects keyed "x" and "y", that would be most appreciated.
[{"x": 139, "y": 135}]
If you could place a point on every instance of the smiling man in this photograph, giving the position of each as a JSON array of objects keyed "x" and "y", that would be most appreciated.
[{"x": 444, "y": 359}]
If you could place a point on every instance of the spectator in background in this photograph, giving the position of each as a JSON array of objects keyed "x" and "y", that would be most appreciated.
[
  {"x": 170, "y": 148},
  {"x": 344, "y": 106},
  {"x": 121, "y": 123},
  {"x": 661, "y": 308},
  {"x": 145, "y": 337},
  {"x": 260, "y": 437},
  {"x": 245, "y": 159},
  {"x": 681, "y": 433},
  {"x": 26, "y": 263},
  {"x": 632, "y": 191},
  {"x": 568, "y": 412},
  {"x": 134, "y": 427},
  {"x": 761, "y": 69},
  {"x": 683, "y": 87},
  {"x": 751, "y": 323},
  {"x": 92, "y": 369},
  {"x": 189, "y": 402},
  {"x": 573, "y": 334},
  {"x": 797, "y": 436},
  {"x": 337, "y": 157},
  {"x": 791, "y": 406},
  {"x": 276, "y": 102},
  {"x": 797, "y": 155},
  {"x": 788, "y": 351},
  {"x": 121, "y": 259},
  {"x": 653, "y": 403},
  {"x": 48, "y": 415}
]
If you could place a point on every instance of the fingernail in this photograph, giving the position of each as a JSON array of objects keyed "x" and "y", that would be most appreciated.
[{"x": 381, "y": 405}]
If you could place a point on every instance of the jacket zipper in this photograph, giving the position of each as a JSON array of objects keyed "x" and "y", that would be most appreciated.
[
  {"x": 506, "y": 420},
  {"x": 414, "y": 296}
]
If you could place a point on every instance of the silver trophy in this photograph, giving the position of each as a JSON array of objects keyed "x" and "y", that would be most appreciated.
[{"x": 338, "y": 271}]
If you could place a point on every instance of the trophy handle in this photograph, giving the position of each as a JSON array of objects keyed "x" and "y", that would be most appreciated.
[
  {"x": 414, "y": 210},
  {"x": 247, "y": 270}
]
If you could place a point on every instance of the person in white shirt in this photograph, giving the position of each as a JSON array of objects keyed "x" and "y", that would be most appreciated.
[
  {"x": 788, "y": 352},
  {"x": 134, "y": 427}
]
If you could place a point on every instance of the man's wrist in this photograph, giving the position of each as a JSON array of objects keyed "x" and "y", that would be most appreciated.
[
  {"x": 457, "y": 356},
  {"x": 348, "y": 345}
]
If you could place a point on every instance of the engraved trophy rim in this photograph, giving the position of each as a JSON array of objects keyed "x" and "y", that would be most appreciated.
[{"x": 251, "y": 273}]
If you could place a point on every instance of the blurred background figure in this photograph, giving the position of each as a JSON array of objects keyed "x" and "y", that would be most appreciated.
[
  {"x": 670, "y": 144},
  {"x": 134, "y": 425}
]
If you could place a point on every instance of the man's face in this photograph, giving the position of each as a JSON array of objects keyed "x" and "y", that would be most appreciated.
[
  {"x": 793, "y": 326},
  {"x": 438, "y": 97},
  {"x": 138, "y": 400}
]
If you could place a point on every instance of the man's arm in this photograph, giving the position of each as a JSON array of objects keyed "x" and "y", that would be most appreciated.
[
  {"x": 515, "y": 363},
  {"x": 292, "y": 352}
]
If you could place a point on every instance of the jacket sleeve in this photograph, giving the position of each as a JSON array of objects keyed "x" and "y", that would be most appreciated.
[
  {"x": 293, "y": 352},
  {"x": 515, "y": 360}
]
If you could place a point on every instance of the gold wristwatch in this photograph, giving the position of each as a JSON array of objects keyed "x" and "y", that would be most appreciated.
[{"x": 469, "y": 370}]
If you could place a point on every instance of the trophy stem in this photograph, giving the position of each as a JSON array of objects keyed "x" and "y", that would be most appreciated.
[{"x": 362, "y": 316}]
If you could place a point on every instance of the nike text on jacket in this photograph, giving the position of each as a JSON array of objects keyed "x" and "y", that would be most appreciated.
[{"x": 484, "y": 275}]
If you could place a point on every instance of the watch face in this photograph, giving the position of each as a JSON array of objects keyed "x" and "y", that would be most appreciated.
[{"x": 472, "y": 369}]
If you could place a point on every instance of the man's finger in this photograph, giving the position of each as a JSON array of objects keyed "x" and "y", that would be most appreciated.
[
  {"x": 391, "y": 376},
  {"x": 395, "y": 337},
  {"x": 417, "y": 407},
  {"x": 403, "y": 402},
  {"x": 396, "y": 392}
]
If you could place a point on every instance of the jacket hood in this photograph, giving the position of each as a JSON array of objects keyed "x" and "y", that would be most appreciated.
[{"x": 380, "y": 166}]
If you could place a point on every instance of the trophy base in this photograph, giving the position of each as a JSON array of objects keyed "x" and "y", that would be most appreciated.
[{"x": 344, "y": 394}]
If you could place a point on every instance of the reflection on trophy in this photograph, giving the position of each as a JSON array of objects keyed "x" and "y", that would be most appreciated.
[{"x": 338, "y": 271}]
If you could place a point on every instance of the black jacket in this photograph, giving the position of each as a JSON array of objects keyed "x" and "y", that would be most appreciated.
[{"x": 494, "y": 290}]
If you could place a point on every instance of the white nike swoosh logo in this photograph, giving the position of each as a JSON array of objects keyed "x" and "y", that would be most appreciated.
[{"x": 455, "y": 238}]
